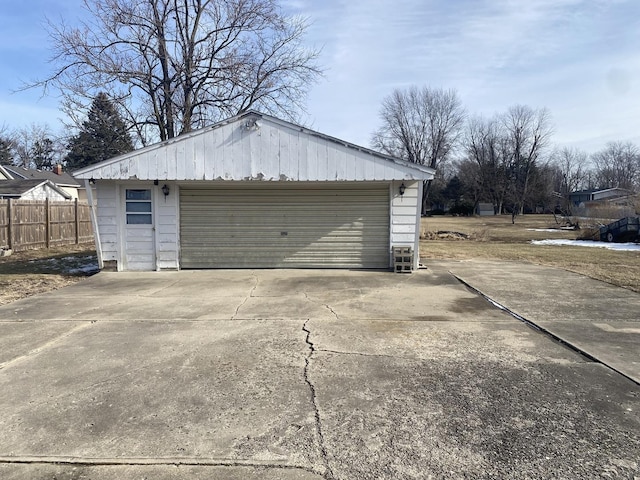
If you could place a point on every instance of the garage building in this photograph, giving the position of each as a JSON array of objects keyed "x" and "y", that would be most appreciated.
[{"x": 254, "y": 191}]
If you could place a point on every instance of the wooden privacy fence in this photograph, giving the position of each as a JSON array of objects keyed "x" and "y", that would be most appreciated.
[{"x": 32, "y": 224}]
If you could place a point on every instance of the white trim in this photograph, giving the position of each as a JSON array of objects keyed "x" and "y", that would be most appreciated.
[
  {"x": 416, "y": 248},
  {"x": 94, "y": 222}
]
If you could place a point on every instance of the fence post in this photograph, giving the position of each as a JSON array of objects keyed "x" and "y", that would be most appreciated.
[
  {"x": 76, "y": 210},
  {"x": 10, "y": 223},
  {"x": 47, "y": 221}
]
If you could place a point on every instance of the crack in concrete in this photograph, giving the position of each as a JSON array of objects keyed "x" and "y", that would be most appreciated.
[
  {"x": 249, "y": 295},
  {"x": 314, "y": 401},
  {"x": 325, "y": 305},
  {"x": 360, "y": 354}
]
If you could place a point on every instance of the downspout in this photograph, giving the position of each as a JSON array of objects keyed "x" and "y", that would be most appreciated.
[{"x": 94, "y": 222}]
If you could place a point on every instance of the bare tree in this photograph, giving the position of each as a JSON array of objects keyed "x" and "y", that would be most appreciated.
[
  {"x": 485, "y": 144},
  {"x": 618, "y": 165},
  {"x": 527, "y": 134},
  {"x": 421, "y": 125},
  {"x": 35, "y": 146},
  {"x": 571, "y": 172},
  {"x": 176, "y": 65}
]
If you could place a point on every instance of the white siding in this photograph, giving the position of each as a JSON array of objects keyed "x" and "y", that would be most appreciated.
[
  {"x": 108, "y": 219},
  {"x": 405, "y": 216},
  {"x": 43, "y": 192},
  {"x": 277, "y": 151},
  {"x": 166, "y": 221}
]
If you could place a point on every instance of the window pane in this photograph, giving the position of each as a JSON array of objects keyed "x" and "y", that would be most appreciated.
[
  {"x": 138, "y": 207},
  {"x": 138, "y": 219},
  {"x": 138, "y": 194}
]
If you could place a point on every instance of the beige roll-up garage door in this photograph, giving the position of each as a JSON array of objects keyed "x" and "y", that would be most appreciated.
[{"x": 285, "y": 225}]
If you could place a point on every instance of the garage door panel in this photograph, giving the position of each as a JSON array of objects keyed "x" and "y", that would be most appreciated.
[{"x": 341, "y": 226}]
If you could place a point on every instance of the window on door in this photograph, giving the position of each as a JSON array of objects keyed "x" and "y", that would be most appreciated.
[{"x": 138, "y": 208}]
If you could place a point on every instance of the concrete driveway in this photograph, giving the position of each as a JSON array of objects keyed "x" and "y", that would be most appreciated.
[{"x": 299, "y": 375}]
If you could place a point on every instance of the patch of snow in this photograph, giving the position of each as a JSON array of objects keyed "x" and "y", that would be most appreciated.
[
  {"x": 89, "y": 268},
  {"x": 633, "y": 247},
  {"x": 70, "y": 265}
]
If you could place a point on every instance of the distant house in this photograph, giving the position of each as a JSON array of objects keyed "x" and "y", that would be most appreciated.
[
  {"x": 70, "y": 187},
  {"x": 582, "y": 197},
  {"x": 32, "y": 189}
]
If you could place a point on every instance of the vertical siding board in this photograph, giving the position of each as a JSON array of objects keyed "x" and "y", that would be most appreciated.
[
  {"x": 350, "y": 165},
  {"x": 177, "y": 169},
  {"x": 107, "y": 219},
  {"x": 271, "y": 152},
  {"x": 293, "y": 170},
  {"x": 242, "y": 166},
  {"x": 321, "y": 159},
  {"x": 222, "y": 156},
  {"x": 212, "y": 155},
  {"x": 331, "y": 152},
  {"x": 302, "y": 161},
  {"x": 361, "y": 167},
  {"x": 311, "y": 160},
  {"x": 282, "y": 165},
  {"x": 189, "y": 167},
  {"x": 147, "y": 166}
]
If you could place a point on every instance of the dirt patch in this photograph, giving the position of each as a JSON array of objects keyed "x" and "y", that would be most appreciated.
[{"x": 445, "y": 235}]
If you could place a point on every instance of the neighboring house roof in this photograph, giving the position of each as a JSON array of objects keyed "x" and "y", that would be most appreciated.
[
  {"x": 622, "y": 191},
  {"x": 63, "y": 179},
  {"x": 19, "y": 188},
  {"x": 255, "y": 146},
  {"x": 4, "y": 174}
]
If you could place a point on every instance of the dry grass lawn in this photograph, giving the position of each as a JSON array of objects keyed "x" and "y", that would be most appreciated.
[
  {"x": 31, "y": 272},
  {"x": 495, "y": 238}
]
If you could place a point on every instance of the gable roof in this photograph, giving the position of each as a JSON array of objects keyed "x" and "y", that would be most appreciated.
[
  {"x": 64, "y": 179},
  {"x": 256, "y": 146},
  {"x": 4, "y": 174},
  {"x": 20, "y": 187}
]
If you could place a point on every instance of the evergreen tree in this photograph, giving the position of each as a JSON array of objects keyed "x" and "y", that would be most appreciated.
[
  {"x": 6, "y": 154},
  {"x": 103, "y": 135},
  {"x": 43, "y": 154}
]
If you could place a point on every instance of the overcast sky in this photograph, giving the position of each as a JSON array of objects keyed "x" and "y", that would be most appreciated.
[{"x": 578, "y": 58}]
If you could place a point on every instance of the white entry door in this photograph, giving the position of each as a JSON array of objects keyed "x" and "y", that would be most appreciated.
[{"x": 138, "y": 241}]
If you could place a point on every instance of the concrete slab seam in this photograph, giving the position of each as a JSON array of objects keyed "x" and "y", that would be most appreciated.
[
  {"x": 544, "y": 331},
  {"x": 137, "y": 461},
  {"x": 46, "y": 345},
  {"x": 249, "y": 295},
  {"x": 314, "y": 401}
]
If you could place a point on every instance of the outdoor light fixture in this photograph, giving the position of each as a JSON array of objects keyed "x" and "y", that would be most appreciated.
[
  {"x": 402, "y": 189},
  {"x": 92, "y": 181},
  {"x": 252, "y": 124},
  {"x": 165, "y": 189}
]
